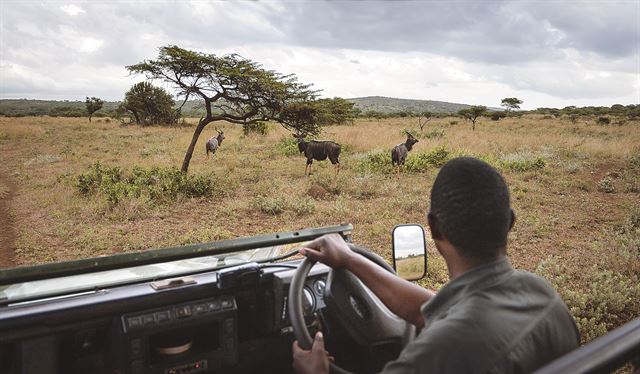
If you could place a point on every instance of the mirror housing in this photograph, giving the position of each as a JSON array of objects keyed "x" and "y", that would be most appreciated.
[{"x": 409, "y": 247}]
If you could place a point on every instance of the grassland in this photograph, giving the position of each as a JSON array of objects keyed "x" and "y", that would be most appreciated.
[
  {"x": 575, "y": 190},
  {"x": 410, "y": 267}
]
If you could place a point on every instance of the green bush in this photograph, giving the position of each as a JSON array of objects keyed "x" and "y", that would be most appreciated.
[
  {"x": 287, "y": 146},
  {"x": 303, "y": 206},
  {"x": 420, "y": 162},
  {"x": 375, "y": 161},
  {"x": 523, "y": 161},
  {"x": 272, "y": 205},
  {"x": 607, "y": 294},
  {"x": 603, "y": 121},
  {"x": 606, "y": 185},
  {"x": 158, "y": 184}
]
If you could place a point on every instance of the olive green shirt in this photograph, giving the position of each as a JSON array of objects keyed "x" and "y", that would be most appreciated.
[{"x": 491, "y": 319}]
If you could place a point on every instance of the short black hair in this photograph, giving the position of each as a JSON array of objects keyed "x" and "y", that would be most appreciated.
[{"x": 470, "y": 201}]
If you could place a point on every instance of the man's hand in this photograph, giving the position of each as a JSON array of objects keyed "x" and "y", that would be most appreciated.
[
  {"x": 315, "y": 361},
  {"x": 329, "y": 249}
]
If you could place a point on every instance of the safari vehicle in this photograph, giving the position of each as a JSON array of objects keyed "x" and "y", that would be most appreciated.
[{"x": 231, "y": 306}]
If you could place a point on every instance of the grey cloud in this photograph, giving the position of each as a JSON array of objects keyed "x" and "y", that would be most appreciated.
[{"x": 498, "y": 32}]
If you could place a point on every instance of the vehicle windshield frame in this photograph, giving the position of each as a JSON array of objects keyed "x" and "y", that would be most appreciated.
[{"x": 160, "y": 255}]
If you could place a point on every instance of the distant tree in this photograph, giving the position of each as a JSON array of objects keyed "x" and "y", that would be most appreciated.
[
  {"x": 472, "y": 114},
  {"x": 149, "y": 105},
  {"x": 423, "y": 119},
  {"x": 234, "y": 89},
  {"x": 373, "y": 114},
  {"x": 497, "y": 116},
  {"x": 94, "y": 104},
  {"x": 511, "y": 103}
]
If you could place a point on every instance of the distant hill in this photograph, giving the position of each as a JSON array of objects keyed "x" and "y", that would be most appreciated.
[
  {"x": 195, "y": 108},
  {"x": 391, "y": 105}
]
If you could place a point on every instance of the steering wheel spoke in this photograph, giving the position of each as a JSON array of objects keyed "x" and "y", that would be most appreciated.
[{"x": 367, "y": 320}]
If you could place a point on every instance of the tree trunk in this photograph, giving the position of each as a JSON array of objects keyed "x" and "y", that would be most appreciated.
[{"x": 194, "y": 140}]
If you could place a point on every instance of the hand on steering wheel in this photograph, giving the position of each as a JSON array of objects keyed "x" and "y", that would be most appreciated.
[
  {"x": 366, "y": 318},
  {"x": 331, "y": 250}
]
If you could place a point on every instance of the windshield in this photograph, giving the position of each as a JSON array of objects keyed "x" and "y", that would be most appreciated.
[
  {"x": 127, "y": 126},
  {"x": 102, "y": 279}
]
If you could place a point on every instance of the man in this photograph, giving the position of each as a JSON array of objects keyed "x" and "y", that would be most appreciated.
[{"x": 489, "y": 318}]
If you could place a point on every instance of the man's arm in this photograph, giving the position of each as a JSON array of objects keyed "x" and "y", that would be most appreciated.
[{"x": 401, "y": 297}]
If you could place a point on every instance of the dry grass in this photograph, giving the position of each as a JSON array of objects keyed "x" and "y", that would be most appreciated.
[
  {"x": 567, "y": 222},
  {"x": 560, "y": 210}
]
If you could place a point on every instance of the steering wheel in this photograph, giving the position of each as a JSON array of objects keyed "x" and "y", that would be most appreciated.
[{"x": 369, "y": 322}]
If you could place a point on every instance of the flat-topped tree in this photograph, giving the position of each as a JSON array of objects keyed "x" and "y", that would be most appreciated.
[{"x": 233, "y": 88}]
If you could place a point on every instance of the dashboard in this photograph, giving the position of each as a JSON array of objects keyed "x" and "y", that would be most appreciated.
[{"x": 233, "y": 320}]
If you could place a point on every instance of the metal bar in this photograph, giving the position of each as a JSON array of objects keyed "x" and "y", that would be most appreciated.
[
  {"x": 152, "y": 256},
  {"x": 602, "y": 355}
]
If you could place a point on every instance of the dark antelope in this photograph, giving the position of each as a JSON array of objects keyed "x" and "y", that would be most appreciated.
[
  {"x": 214, "y": 142},
  {"x": 315, "y": 150},
  {"x": 399, "y": 152}
]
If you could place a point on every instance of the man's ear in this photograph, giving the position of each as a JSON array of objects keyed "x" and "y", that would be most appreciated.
[
  {"x": 513, "y": 219},
  {"x": 434, "y": 227}
]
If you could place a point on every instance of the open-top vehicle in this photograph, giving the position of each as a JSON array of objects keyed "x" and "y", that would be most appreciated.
[{"x": 232, "y": 306}]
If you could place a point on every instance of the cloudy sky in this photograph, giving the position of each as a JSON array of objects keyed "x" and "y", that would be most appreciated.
[
  {"x": 408, "y": 240},
  {"x": 547, "y": 53}
]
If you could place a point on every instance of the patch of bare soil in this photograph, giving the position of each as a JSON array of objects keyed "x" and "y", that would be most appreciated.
[{"x": 7, "y": 232}]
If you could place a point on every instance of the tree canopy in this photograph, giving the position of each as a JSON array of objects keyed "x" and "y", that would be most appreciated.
[
  {"x": 93, "y": 104},
  {"x": 149, "y": 105},
  {"x": 307, "y": 117},
  {"x": 473, "y": 113},
  {"x": 511, "y": 103},
  {"x": 233, "y": 88}
]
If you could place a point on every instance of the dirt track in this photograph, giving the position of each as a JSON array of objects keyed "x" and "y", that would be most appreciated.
[{"x": 7, "y": 232}]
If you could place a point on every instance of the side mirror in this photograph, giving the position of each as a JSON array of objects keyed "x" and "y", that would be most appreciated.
[{"x": 409, "y": 251}]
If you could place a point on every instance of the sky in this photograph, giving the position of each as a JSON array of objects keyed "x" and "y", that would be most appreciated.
[
  {"x": 546, "y": 53},
  {"x": 408, "y": 240}
]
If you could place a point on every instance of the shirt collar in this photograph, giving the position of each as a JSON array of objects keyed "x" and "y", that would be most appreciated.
[{"x": 475, "y": 279}]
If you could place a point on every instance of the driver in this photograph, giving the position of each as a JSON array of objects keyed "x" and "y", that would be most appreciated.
[{"x": 489, "y": 318}]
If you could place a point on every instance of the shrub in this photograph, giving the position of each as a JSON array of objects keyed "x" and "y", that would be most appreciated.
[
  {"x": 303, "y": 206},
  {"x": 606, "y": 185},
  {"x": 603, "y": 121},
  {"x": 419, "y": 162},
  {"x": 607, "y": 294},
  {"x": 523, "y": 161},
  {"x": 497, "y": 116},
  {"x": 272, "y": 205},
  {"x": 375, "y": 161},
  {"x": 287, "y": 146},
  {"x": 157, "y": 184}
]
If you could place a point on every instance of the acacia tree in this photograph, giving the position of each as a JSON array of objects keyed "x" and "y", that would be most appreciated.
[
  {"x": 472, "y": 114},
  {"x": 94, "y": 104},
  {"x": 234, "y": 89},
  {"x": 149, "y": 105},
  {"x": 307, "y": 117},
  {"x": 424, "y": 118},
  {"x": 511, "y": 103}
]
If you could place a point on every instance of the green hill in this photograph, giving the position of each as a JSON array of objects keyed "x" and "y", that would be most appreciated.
[
  {"x": 391, "y": 105},
  {"x": 194, "y": 108}
]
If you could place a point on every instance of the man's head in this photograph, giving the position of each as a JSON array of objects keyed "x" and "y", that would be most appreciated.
[{"x": 470, "y": 208}]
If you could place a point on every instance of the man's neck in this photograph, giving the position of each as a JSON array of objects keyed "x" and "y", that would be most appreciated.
[{"x": 458, "y": 265}]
